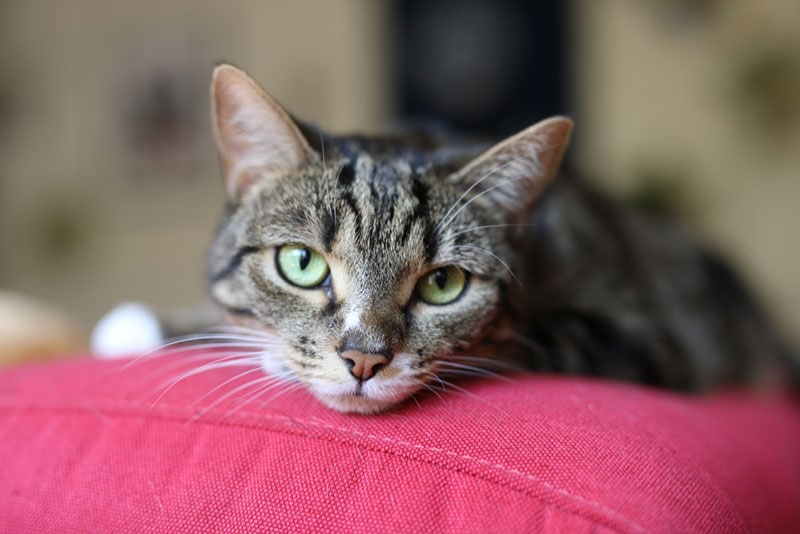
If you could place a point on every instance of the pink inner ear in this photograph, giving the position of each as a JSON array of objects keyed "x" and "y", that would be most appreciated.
[
  {"x": 513, "y": 173},
  {"x": 253, "y": 132}
]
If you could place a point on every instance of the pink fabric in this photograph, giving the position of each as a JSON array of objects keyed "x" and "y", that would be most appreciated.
[{"x": 89, "y": 446}]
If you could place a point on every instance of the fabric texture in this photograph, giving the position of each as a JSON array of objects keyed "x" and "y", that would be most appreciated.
[{"x": 110, "y": 446}]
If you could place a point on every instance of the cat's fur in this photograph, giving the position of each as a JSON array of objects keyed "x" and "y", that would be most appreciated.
[{"x": 560, "y": 277}]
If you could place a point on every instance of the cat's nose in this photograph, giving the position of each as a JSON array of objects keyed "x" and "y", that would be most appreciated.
[{"x": 363, "y": 366}]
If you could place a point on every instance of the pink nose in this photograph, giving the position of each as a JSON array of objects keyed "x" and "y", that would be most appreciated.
[{"x": 364, "y": 366}]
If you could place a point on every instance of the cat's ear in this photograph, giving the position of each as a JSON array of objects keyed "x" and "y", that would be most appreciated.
[
  {"x": 255, "y": 136},
  {"x": 513, "y": 173}
]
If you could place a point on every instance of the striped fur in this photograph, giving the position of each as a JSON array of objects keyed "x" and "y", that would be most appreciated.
[{"x": 560, "y": 278}]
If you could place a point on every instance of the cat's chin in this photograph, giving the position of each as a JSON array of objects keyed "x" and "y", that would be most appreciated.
[
  {"x": 373, "y": 396},
  {"x": 362, "y": 403},
  {"x": 359, "y": 404}
]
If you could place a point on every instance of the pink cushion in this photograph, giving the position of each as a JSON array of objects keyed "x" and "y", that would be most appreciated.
[{"x": 89, "y": 446}]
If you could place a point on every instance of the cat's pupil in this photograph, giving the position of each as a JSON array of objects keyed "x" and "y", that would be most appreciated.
[
  {"x": 440, "y": 277},
  {"x": 305, "y": 258}
]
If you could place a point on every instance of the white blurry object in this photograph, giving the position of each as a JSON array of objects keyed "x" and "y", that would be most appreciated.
[{"x": 130, "y": 329}]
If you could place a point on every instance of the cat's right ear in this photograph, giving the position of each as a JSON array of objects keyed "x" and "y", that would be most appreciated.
[
  {"x": 255, "y": 136},
  {"x": 512, "y": 175}
]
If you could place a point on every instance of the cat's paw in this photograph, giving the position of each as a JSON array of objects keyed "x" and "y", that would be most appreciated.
[{"x": 129, "y": 329}]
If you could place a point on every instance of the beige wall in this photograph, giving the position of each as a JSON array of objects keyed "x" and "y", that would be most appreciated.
[
  {"x": 647, "y": 89},
  {"x": 651, "y": 88},
  {"x": 74, "y": 65}
]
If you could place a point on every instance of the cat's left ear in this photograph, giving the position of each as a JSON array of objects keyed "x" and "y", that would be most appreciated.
[
  {"x": 256, "y": 137},
  {"x": 513, "y": 173}
]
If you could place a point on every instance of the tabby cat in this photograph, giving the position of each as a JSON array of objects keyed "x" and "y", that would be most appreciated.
[{"x": 379, "y": 264}]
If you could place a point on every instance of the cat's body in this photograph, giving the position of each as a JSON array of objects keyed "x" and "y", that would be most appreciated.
[
  {"x": 378, "y": 263},
  {"x": 614, "y": 292}
]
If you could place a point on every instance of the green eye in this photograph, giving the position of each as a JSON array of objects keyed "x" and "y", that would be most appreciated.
[
  {"x": 442, "y": 286},
  {"x": 302, "y": 266}
]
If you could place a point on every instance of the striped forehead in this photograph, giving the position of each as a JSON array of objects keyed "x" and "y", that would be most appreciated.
[
  {"x": 380, "y": 205},
  {"x": 389, "y": 175}
]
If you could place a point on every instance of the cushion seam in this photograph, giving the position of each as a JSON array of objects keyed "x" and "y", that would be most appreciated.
[{"x": 288, "y": 425}]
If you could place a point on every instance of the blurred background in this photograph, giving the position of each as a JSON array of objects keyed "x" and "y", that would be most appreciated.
[{"x": 109, "y": 187}]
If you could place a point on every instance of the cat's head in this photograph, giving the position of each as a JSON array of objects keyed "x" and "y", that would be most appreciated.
[{"x": 377, "y": 265}]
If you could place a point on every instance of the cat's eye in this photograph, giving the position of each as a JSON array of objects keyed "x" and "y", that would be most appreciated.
[
  {"x": 302, "y": 266},
  {"x": 443, "y": 285}
]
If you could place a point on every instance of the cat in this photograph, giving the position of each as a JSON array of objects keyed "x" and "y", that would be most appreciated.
[
  {"x": 371, "y": 268},
  {"x": 376, "y": 264}
]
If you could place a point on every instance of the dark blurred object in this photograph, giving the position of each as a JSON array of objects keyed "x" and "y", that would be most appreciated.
[
  {"x": 61, "y": 225},
  {"x": 662, "y": 188},
  {"x": 766, "y": 82},
  {"x": 485, "y": 67},
  {"x": 165, "y": 113},
  {"x": 684, "y": 14},
  {"x": 160, "y": 125}
]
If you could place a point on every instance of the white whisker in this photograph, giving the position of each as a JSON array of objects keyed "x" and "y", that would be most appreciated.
[
  {"x": 210, "y": 347},
  {"x": 289, "y": 386},
  {"x": 495, "y": 256},
  {"x": 243, "y": 330},
  {"x": 264, "y": 384},
  {"x": 470, "y": 370},
  {"x": 427, "y": 387},
  {"x": 226, "y": 382},
  {"x": 163, "y": 369},
  {"x": 447, "y": 218},
  {"x": 448, "y": 386},
  {"x": 450, "y": 218},
  {"x": 414, "y": 395},
  {"x": 329, "y": 185},
  {"x": 476, "y": 197},
  {"x": 196, "y": 342},
  {"x": 487, "y": 226},
  {"x": 322, "y": 144},
  {"x": 267, "y": 378},
  {"x": 488, "y": 363},
  {"x": 234, "y": 360}
]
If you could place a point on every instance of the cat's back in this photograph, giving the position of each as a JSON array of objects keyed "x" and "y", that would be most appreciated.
[{"x": 635, "y": 282}]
